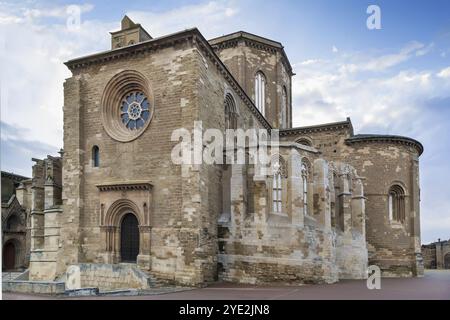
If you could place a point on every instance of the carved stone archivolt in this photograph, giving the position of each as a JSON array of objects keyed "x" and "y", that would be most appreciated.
[{"x": 116, "y": 201}]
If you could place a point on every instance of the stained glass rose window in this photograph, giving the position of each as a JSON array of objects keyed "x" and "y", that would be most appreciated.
[
  {"x": 135, "y": 110},
  {"x": 128, "y": 105}
]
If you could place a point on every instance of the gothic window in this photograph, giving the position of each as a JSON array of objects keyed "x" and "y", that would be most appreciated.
[
  {"x": 277, "y": 189},
  {"x": 95, "y": 156},
  {"x": 284, "y": 103},
  {"x": 260, "y": 92},
  {"x": 304, "y": 142},
  {"x": 279, "y": 174},
  {"x": 230, "y": 112},
  {"x": 134, "y": 111},
  {"x": 305, "y": 181},
  {"x": 396, "y": 202}
]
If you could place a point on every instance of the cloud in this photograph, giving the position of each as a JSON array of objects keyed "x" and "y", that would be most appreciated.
[
  {"x": 334, "y": 49},
  {"x": 209, "y": 17},
  {"x": 444, "y": 73},
  {"x": 379, "y": 63},
  {"x": 15, "y": 13},
  {"x": 32, "y": 52},
  {"x": 34, "y": 48},
  {"x": 17, "y": 149}
]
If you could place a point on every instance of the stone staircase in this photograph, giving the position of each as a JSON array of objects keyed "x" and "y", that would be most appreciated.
[
  {"x": 107, "y": 277},
  {"x": 8, "y": 276}
]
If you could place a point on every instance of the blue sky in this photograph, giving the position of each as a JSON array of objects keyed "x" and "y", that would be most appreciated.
[{"x": 394, "y": 81}]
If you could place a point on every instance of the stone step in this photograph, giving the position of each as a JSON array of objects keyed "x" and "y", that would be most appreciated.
[{"x": 7, "y": 276}]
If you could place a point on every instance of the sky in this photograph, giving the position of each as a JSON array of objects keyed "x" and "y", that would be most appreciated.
[{"x": 393, "y": 80}]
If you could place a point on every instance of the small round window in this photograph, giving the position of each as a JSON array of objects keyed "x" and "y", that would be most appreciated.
[{"x": 135, "y": 110}]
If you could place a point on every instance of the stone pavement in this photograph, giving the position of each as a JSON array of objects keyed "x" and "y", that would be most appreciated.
[{"x": 434, "y": 285}]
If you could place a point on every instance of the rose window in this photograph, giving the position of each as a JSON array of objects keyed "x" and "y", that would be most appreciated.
[
  {"x": 128, "y": 105},
  {"x": 135, "y": 110}
]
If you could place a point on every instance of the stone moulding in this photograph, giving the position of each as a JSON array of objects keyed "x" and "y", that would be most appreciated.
[
  {"x": 125, "y": 186},
  {"x": 318, "y": 128},
  {"x": 364, "y": 138}
]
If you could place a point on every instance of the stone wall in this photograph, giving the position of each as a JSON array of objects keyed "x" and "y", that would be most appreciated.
[
  {"x": 106, "y": 277},
  {"x": 394, "y": 247},
  {"x": 437, "y": 255},
  {"x": 429, "y": 256},
  {"x": 263, "y": 246}
]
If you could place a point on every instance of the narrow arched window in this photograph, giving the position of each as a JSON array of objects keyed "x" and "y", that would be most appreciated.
[
  {"x": 284, "y": 112},
  {"x": 279, "y": 174},
  {"x": 396, "y": 203},
  {"x": 305, "y": 176},
  {"x": 230, "y": 112},
  {"x": 260, "y": 92},
  {"x": 95, "y": 156},
  {"x": 304, "y": 142},
  {"x": 277, "y": 190}
]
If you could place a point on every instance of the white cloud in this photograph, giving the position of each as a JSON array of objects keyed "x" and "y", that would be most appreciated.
[
  {"x": 444, "y": 73},
  {"x": 379, "y": 63},
  {"x": 425, "y": 50},
  {"x": 209, "y": 17},
  {"x": 32, "y": 71},
  {"x": 14, "y": 13},
  {"x": 334, "y": 49}
]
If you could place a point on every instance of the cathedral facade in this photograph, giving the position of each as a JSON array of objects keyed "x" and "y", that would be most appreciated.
[{"x": 328, "y": 204}]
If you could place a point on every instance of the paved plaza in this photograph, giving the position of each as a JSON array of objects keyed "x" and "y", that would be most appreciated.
[{"x": 434, "y": 285}]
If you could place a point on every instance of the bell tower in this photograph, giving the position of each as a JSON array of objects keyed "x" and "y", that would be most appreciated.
[{"x": 129, "y": 34}]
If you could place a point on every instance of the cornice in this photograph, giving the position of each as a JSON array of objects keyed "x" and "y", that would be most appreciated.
[
  {"x": 13, "y": 176},
  {"x": 254, "y": 41},
  {"x": 132, "y": 50},
  {"x": 125, "y": 186},
  {"x": 368, "y": 138},
  {"x": 317, "y": 128}
]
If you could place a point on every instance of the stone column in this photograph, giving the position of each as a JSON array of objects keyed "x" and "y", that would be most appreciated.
[
  {"x": 322, "y": 209},
  {"x": 418, "y": 268},
  {"x": 37, "y": 206},
  {"x": 73, "y": 180},
  {"x": 144, "y": 258},
  {"x": 238, "y": 207},
  {"x": 322, "y": 213},
  {"x": 346, "y": 200},
  {"x": 295, "y": 188},
  {"x": 359, "y": 207}
]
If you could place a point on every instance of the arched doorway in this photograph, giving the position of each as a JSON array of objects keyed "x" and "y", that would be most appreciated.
[
  {"x": 129, "y": 238},
  {"x": 447, "y": 261},
  {"x": 9, "y": 256}
]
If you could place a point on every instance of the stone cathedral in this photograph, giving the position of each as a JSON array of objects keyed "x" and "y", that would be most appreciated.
[{"x": 334, "y": 203}]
